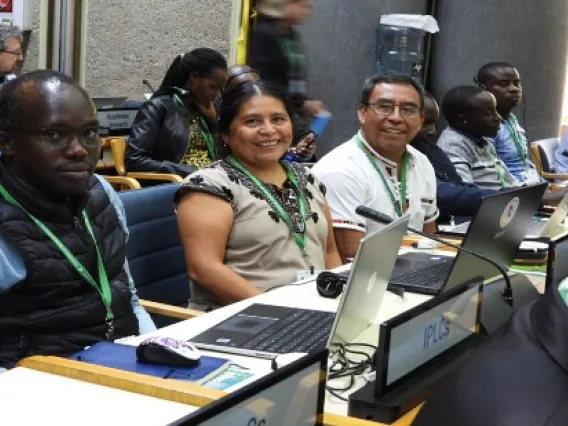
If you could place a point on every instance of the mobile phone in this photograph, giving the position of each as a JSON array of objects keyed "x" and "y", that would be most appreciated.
[{"x": 320, "y": 122}]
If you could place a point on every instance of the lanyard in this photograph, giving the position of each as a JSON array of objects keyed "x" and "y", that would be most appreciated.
[
  {"x": 498, "y": 168},
  {"x": 398, "y": 206},
  {"x": 512, "y": 126},
  {"x": 104, "y": 288},
  {"x": 299, "y": 237},
  {"x": 203, "y": 129}
]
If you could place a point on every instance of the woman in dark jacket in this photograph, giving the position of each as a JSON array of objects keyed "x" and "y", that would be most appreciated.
[{"x": 173, "y": 131}]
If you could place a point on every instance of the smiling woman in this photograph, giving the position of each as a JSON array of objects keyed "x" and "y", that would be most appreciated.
[{"x": 265, "y": 220}]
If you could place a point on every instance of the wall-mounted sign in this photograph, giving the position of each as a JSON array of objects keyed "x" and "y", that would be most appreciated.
[{"x": 12, "y": 12}]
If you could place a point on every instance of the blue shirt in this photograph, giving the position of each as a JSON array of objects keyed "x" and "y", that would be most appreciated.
[
  {"x": 560, "y": 160},
  {"x": 515, "y": 154},
  {"x": 13, "y": 270}
]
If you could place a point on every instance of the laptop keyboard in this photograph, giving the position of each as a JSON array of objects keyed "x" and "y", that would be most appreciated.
[
  {"x": 300, "y": 331},
  {"x": 431, "y": 277}
]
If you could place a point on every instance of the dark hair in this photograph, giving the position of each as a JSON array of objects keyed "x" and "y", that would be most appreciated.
[
  {"x": 390, "y": 78},
  {"x": 201, "y": 61},
  {"x": 458, "y": 102},
  {"x": 236, "y": 71},
  {"x": 233, "y": 99},
  {"x": 486, "y": 71},
  {"x": 12, "y": 113}
]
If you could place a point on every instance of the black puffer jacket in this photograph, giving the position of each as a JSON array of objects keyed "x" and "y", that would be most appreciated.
[
  {"x": 159, "y": 137},
  {"x": 54, "y": 311}
]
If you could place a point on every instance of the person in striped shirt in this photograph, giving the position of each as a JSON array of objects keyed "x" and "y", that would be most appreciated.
[{"x": 472, "y": 118}]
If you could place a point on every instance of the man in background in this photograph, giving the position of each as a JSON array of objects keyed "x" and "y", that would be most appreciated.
[
  {"x": 455, "y": 197},
  {"x": 11, "y": 54},
  {"x": 502, "y": 79}
]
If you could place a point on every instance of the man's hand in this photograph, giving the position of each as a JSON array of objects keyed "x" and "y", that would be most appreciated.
[
  {"x": 306, "y": 147},
  {"x": 313, "y": 107}
]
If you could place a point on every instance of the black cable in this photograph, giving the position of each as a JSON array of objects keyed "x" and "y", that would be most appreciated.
[{"x": 344, "y": 367}]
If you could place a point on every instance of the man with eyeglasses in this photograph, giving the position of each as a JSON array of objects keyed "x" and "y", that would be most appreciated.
[
  {"x": 10, "y": 51},
  {"x": 377, "y": 167},
  {"x": 64, "y": 278}
]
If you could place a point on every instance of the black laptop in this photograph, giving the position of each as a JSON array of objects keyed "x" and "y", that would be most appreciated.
[{"x": 496, "y": 231}]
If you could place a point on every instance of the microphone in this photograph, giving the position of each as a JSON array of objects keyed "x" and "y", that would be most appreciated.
[
  {"x": 148, "y": 85},
  {"x": 385, "y": 219}
]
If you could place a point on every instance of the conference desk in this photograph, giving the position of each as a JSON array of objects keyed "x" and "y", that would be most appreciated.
[
  {"x": 30, "y": 397},
  {"x": 302, "y": 295}
]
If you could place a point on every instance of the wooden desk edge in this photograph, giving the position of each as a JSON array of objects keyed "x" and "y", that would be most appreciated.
[
  {"x": 337, "y": 420},
  {"x": 172, "y": 390}
]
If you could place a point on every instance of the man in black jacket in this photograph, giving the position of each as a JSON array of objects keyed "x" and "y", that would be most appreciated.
[
  {"x": 64, "y": 279},
  {"x": 517, "y": 378}
]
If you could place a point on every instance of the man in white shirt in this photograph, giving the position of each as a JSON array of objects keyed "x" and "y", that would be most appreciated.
[
  {"x": 11, "y": 53},
  {"x": 377, "y": 167}
]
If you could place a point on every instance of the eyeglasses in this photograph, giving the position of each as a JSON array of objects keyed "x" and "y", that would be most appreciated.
[
  {"x": 385, "y": 108},
  {"x": 13, "y": 52},
  {"x": 63, "y": 137}
]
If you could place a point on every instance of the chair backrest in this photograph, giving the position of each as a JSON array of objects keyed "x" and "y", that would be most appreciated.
[
  {"x": 118, "y": 147},
  {"x": 154, "y": 249},
  {"x": 546, "y": 149}
]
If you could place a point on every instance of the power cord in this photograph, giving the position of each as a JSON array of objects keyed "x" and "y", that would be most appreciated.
[{"x": 344, "y": 367}]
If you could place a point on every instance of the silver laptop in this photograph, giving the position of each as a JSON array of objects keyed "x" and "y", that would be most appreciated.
[
  {"x": 267, "y": 330},
  {"x": 539, "y": 227}
]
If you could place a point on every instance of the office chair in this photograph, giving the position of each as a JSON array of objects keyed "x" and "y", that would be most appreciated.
[
  {"x": 543, "y": 157},
  {"x": 154, "y": 251}
]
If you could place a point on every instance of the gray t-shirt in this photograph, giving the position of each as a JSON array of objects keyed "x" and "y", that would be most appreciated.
[
  {"x": 476, "y": 161},
  {"x": 261, "y": 247}
]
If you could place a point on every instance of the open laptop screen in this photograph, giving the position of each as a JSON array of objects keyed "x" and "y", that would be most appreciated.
[{"x": 293, "y": 395}]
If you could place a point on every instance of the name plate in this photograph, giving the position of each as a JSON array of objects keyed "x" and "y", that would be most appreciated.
[
  {"x": 411, "y": 341},
  {"x": 117, "y": 119}
]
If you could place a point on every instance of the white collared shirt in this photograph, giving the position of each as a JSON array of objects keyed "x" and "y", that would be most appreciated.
[{"x": 351, "y": 180}]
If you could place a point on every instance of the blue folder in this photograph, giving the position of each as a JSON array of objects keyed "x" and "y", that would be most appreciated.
[{"x": 123, "y": 357}]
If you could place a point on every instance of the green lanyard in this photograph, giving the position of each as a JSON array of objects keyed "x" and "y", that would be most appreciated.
[
  {"x": 512, "y": 126},
  {"x": 398, "y": 207},
  {"x": 498, "y": 168},
  {"x": 299, "y": 237},
  {"x": 203, "y": 129},
  {"x": 104, "y": 288}
]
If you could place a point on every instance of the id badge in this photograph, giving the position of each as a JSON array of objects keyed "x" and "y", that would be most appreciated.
[
  {"x": 297, "y": 86},
  {"x": 303, "y": 274}
]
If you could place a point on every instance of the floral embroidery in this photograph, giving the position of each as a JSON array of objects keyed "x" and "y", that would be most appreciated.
[
  {"x": 274, "y": 216},
  {"x": 196, "y": 180},
  {"x": 315, "y": 217}
]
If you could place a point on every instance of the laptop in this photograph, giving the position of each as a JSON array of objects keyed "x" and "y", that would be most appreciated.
[
  {"x": 109, "y": 103},
  {"x": 266, "y": 330},
  {"x": 496, "y": 231},
  {"x": 539, "y": 227},
  {"x": 292, "y": 395}
]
